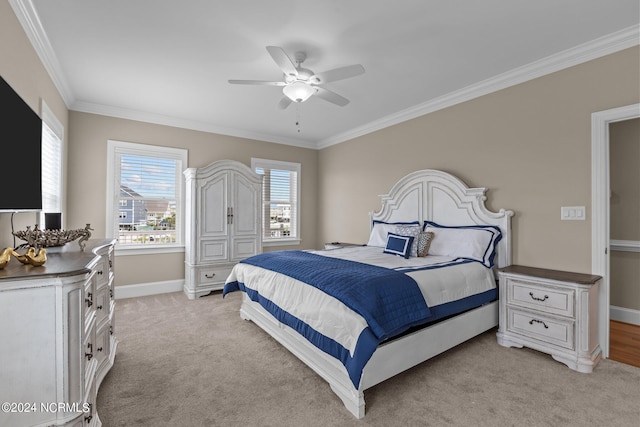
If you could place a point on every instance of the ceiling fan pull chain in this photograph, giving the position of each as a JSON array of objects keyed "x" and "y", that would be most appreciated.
[{"x": 298, "y": 107}]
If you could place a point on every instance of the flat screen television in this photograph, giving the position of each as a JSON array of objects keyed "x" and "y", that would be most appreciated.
[{"x": 20, "y": 153}]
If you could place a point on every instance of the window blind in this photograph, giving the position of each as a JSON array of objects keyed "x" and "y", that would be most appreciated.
[
  {"x": 51, "y": 170},
  {"x": 144, "y": 196},
  {"x": 279, "y": 200}
]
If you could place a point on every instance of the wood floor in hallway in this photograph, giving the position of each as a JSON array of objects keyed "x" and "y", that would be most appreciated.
[{"x": 624, "y": 343}]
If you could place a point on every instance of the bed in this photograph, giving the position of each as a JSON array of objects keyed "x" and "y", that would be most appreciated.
[{"x": 360, "y": 315}]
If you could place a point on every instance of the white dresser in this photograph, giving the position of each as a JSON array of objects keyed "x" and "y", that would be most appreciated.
[
  {"x": 223, "y": 223},
  {"x": 57, "y": 338},
  {"x": 552, "y": 311}
]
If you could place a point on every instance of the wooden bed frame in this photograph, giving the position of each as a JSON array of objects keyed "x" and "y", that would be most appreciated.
[{"x": 423, "y": 195}]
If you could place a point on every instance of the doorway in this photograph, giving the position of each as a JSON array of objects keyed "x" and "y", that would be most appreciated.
[{"x": 600, "y": 221}]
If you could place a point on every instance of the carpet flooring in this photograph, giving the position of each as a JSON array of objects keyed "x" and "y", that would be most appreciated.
[{"x": 192, "y": 363}]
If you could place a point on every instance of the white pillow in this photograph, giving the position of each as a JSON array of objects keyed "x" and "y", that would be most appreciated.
[
  {"x": 475, "y": 242},
  {"x": 380, "y": 231}
]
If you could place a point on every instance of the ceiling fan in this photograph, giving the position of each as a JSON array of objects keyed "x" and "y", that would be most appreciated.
[{"x": 300, "y": 83}]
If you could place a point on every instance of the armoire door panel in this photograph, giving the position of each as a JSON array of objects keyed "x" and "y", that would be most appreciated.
[
  {"x": 213, "y": 250},
  {"x": 243, "y": 248},
  {"x": 245, "y": 209},
  {"x": 213, "y": 207}
]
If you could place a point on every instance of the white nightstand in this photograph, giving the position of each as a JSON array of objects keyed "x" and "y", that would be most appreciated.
[
  {"x": 552, "y": 311},
  {"x": 338, "y": 245}
]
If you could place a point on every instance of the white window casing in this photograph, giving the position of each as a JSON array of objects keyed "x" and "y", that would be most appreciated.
[
  {"x": 145, "y": 197},
  {"x": 281, "y": 201}
]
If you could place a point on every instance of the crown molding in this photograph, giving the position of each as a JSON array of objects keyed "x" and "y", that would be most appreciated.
[
  {"x": 594, "y": 49},
  {"x": 142, "y": 116},
  {"x": 28, "y": 17},
  {"x": 611, "y": 43}
]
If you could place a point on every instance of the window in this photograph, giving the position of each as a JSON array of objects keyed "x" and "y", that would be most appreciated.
[
  {"x": 145, "y": 190},
  {"x": 52, "y": 137},
  {"x": 280, "y": 201}
]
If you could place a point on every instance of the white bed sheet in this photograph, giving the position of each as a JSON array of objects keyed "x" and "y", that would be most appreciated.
[
  {"x": 438, "y": 285},
  {"x": 332, "y": 318}
]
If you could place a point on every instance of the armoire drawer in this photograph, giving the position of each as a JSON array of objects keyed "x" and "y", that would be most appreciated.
[{"x": 213, "y": 275}]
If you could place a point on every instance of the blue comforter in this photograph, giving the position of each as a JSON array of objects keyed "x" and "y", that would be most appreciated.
[{"x": 389, "y": 301}]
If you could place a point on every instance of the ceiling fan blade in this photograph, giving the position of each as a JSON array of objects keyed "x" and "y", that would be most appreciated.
[
  {"x": 256, "y": 82},
  {"x": 284, "y": 62},
  {"x": 284, "y": 103},
  {"x": 338, "y": 74},
  {"x": 330, "y": 96}
]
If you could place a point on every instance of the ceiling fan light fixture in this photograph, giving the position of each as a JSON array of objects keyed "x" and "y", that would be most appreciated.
[{"x": 298, "y": 91}]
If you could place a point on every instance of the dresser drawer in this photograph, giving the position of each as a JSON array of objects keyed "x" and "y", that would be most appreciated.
[
  {"x": 551, "y": 330},
  {"x": 213, "y": 275},
  {"x": 545, "y": 299}
]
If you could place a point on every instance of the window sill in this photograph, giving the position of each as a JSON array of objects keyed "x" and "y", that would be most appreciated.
[
  {"x": 281, "y": 242},
  {"x": 147, "y": 250}
]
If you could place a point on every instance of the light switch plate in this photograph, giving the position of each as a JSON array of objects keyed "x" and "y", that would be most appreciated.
[{"x": 573, "y": 213}]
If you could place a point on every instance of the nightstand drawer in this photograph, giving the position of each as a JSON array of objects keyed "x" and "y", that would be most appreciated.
[
  {"x": 533, "y": 325},
  {"x": 546, "y": 299}
]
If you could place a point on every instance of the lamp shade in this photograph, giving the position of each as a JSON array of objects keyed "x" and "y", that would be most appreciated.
[{"x": 298, "y": 91}]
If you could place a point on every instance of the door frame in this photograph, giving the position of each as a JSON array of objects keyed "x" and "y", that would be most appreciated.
[{"x": 600, "y": 210}]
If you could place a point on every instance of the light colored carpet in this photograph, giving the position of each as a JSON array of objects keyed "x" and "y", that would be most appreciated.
[{"x": 196, "y": 363}]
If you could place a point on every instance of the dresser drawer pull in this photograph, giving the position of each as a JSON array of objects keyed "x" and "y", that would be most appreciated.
[
  {"x": 538, "y": 299},
  {"x": 538, "y": 321},
  {"x": 209, "y": 276},
  {"x": 89, "y": 417}
]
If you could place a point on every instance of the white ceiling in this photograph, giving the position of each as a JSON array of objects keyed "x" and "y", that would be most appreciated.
[{"x": 168, "y": 61}]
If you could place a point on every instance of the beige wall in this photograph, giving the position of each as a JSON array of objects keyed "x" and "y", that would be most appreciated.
[
  {"x": 88, "y": 135},
  {"x": 624, "y": 149},
  {"x": 86, "y": 138},
  {"x": 20, "y": 66},
  {"x": 529, "y": 144}
]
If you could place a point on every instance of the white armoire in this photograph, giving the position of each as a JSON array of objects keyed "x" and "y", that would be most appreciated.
[{"x": 223, "y": 223}]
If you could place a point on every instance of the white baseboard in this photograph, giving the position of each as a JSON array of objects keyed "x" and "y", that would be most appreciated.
[
  {"x": 625, "y": 315},
  {"x": 144, "y": 289}
]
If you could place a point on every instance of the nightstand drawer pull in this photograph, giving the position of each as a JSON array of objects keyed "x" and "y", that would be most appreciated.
[
  {"x": 538, "y": 299},
  {"x": 538, "y": 321},
  {"x": 209, "y": 276}
]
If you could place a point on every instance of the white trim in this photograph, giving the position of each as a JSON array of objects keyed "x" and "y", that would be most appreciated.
[
  {"x": 128, "y": 114},
  {"x": 150, "y": 288},
  {"x": 625, "y": 245},
  {"x": 606, "y": 45},
  {"x": 594, "y": 49},
  {"x": 281, "y": 242},
  {"x": 600, "y": 191},
  {"x": 288, "y": 166},
  {"x": 28, "y": 17},
  {"x": 114, "y": 148},
  {"x": 147, "y": 250},
  {"x": 51, "y": 120},
  {"x": 626, "y": 315}
]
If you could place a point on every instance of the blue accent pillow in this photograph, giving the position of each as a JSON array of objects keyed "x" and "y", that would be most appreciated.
[{"x": 398, "y": 245}]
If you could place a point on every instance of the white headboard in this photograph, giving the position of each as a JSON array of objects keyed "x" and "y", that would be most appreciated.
[{"x": 433, "y": 195}]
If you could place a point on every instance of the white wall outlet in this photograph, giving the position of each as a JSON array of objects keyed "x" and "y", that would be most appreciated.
[{"x": 573, "y": 213}]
